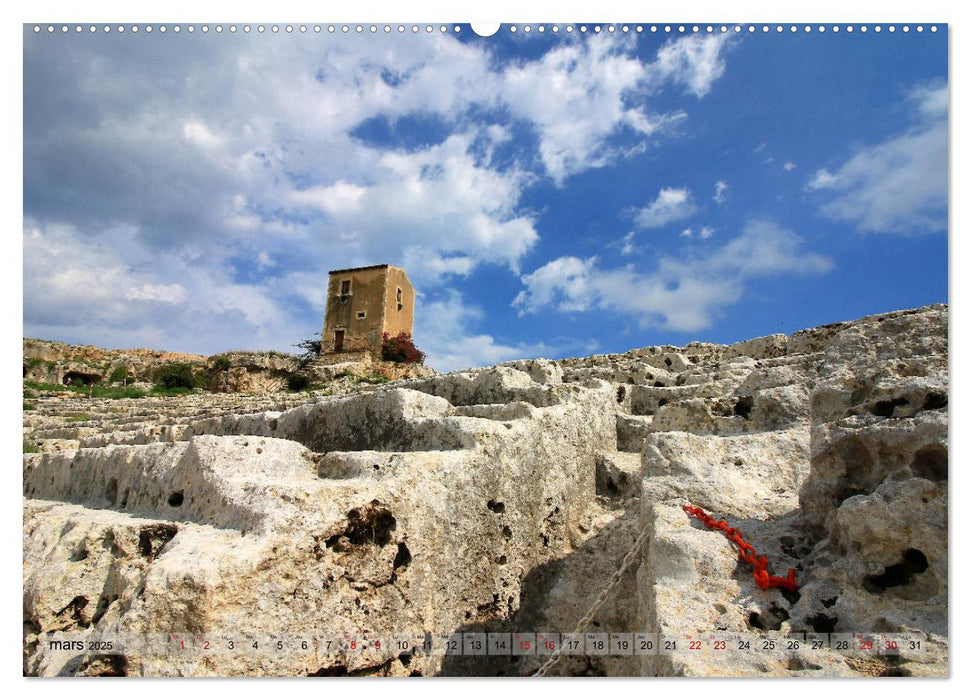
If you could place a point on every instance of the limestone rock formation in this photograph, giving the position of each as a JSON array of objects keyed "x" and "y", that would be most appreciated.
[{"x": 352, "y": 531}]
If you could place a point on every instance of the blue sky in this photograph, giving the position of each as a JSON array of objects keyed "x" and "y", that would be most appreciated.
[{"x": 549, "y": 194}]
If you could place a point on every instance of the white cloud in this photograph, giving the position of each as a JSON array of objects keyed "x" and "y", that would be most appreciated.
[
  {"x": 264, "y": 175},
  {"x": 443, "y": 329},
  {"x": 575, "y": 97},
  {"x": 788, "y": 166},
  {"x": 627, "y": 246},
  {"x": 721, "y": 189},
  {"x": 706, "y": 232},
  {"x": 164, "y": 293},
  {"x": 119, "y": 295},
  {"x": 671, "y": 204},
  {"x": 439, "y": 199},
  {"x": 687, "y": 233},
  {"x": 899, "y": 185},
  {"x": 682, "y": 295},
  {"x": 695, "y": 61}
]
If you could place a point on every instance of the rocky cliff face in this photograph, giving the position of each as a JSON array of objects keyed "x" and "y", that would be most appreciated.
[{"x": 503, "y": 500}]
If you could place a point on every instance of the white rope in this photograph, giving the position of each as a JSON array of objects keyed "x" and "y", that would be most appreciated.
[{"x": 598, "y": 603}]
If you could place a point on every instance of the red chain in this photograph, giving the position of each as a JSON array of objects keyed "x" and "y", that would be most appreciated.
[{"x": 747, "y": 552}]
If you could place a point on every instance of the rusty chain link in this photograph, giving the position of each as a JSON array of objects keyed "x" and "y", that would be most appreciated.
[{"x": 747, "y": 552}]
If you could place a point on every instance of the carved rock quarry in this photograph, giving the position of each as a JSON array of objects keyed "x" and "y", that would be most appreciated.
[{"x": 502, "y": 500}]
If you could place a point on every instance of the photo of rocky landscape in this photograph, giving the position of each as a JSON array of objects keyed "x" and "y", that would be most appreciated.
[{"x": 441, "y": 350}]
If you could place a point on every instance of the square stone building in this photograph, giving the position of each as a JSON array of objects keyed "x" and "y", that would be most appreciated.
[{"x": 364, "y": 303}]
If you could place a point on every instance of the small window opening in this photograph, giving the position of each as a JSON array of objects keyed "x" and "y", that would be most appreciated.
[
  {"x": 362, "y": 314},
  {"x": 398, "y": 297},
  {"x": 345, "y": 286}
]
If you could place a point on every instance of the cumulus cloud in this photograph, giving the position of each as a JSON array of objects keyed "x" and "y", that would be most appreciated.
[
  {"x": 897, "y": 186},
  {"x": 445, "y": 331},
  {"x": 695, "y": 61},
  {"x": 671, "y": 204},
  {"x": 579, "y": 95},
  {"x": 681, "y": 294},
  {"x": 235, "y": 172}
]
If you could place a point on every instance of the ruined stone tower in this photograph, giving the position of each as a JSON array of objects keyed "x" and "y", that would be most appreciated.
[{"x": 364, "y": 303}]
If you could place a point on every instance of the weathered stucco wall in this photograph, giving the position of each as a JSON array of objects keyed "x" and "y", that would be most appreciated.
[{"x": 373, "y": 292}]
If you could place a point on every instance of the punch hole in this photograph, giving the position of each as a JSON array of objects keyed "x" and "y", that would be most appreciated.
[
  {"x": 906, "y": 28},
  {"x": 527, "y": 29},
  {"x": 541, "y": 28}
]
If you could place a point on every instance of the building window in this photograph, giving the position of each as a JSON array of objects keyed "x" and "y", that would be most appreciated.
[
  {"x": 345, "y": 287},
  {"x": 398, "y": 297},
  {"x": 362, "y": 314}
]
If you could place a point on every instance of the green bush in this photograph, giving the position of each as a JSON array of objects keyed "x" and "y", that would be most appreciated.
[
  {"x": 29, "y": 406},
  {"x": 298, "y": 382},
  {"x": 118, "y": 374},
  {"x": 34, "y": 362},
  {"x": 220, "y": 364},
  {"x": 177, "y": 375},
  {"x": 30, "y": 447}
]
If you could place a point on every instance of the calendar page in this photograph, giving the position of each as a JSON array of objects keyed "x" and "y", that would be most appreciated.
[{"x": 531, "y": 349}]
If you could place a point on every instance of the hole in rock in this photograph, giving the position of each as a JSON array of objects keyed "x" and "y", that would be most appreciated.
[
  {"x": 74, "y": 610},
  {"x": 830, "y": 602},
  {"x": 659, "y": 384},
  {"x": 930, "y": 462},
  {"x": 496, "y": 506},
  {"x": 153, "y": 538},
  {"x": 885, "y": 409},
  {"x": 103, "y": 665},
  {"x": 934, "y": 401},
  {"x": 506, "y": 532},
  {"x": 662, "y": 402},
  {"x": 770, "y": 619},
  {"x": 822, "y": 623},
  {"x": 403, "y": 558},
  {"x": 621, "y": 393},
  {"x": 899, "y": 574},
  {"x": 743, "y": 407},
  {"x": 176, "y": 499},
  {"x": 372, "y": 524},
  {"x": 111, "y": 491},
  {"x": 667, "y": 361}
]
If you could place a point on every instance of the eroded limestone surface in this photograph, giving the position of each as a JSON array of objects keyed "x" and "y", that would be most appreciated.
[{"x": 503, "y": 499}]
